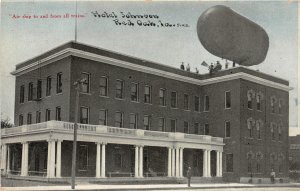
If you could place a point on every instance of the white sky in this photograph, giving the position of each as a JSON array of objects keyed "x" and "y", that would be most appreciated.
[{"x": 22, "y": 39}]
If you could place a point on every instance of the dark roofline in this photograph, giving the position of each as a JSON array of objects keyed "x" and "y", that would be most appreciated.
[{"x": 151, "y": 64}]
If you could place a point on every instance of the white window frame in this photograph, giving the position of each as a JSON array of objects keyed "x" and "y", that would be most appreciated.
[
  {"x": 135, "y": 118},
  {"x": 88, "y": 82},
  {"x": 106, "y": 86},
  {"x": 164, "y": 97},
  {"x": 176, "y": 100},
  {"x": 122, "y": 119},
  {"x": 105, "y": 112},
  {"x": 88, "y": 113},
  {"x": 137, "y": 91}
]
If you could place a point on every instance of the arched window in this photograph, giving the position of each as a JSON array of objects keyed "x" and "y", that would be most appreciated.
[
  {"x": 250, "y": 96},
  {"x": 259, "y": 98},
  {"x": 273, "y": 102},
  {"x": 250, "y": 126},
  {"x": 250, "y": 157},
  {"x": 259, "y": 125}
]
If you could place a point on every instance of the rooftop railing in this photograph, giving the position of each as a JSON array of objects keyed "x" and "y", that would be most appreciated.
[{"x": 101, "y": 129}]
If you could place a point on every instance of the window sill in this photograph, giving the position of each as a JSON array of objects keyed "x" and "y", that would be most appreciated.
[
  {"x": 186, "y": 110},
  {"x": 85, "y": 93},
  {"x": 250, "y": 109},
  {"x": 174, "y": 108},
  {"x": 148, "y": 103},
  {"x": 59, "y": 93},
  {"x": 227, "y": 138},
  {"x": 103, "y": 96},
  {"x": 206, "y": 111},
  {"x": 259, "y": 110},
  {"x": 162, "y": 105},
  {"x": 134, "y": 101},
  {"x": 121, "y": 99},
  {"x": 227, "y": 108}
]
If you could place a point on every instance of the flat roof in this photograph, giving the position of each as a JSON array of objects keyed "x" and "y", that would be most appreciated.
[{"x": 147, "y": 63}]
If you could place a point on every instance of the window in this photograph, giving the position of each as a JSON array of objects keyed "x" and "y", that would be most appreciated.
[
  {"x": 59, "y": 83},
  {"x": 103, "y": 86},
  {"x": 259, "y": 124},
  {"x": 258, "y": 168},
  {"x": 119, "y": 89},
  {"x": 22, "y": 93},
  {"x": 280, "y": 106},
  {"x": 273, "y": 126},
  {"x": 133, "y": 121},
  {"x": 84, "y": 115},
  {"x": 227, "y": 129},
  {"x": 197, "y": 103},
  {"x": 227, "y": 100},
  {"x": 249, "y": 101},
  {"x": 20, "y": 120},
  {"x": 147, "y": 94},
  {"x": 173, "y": 99},
  {"x": 279, "y": 132},
  {"x": 273, "y": 100},
  {"x": 85, "y": 88},
  {"x": 162, "y": 97},
  {"x": 161, "y": 124},
  {"x": 119, "y": 119},
  {"x": 206, "y": 103},
  {"x": 48, "y": 86},
  {"x": 103, "y": 117},
  {"x": 38, "y": 117},
  {"x": 196, "y": 128},
  {"x": 30, "y": 91},
  {"x": 173, "y": 125},
  {"x": 186, "y": 102},
  {"x": 58, "y": 114},
  {"x": 229, "y": 162},
  {"x": 147, "y": 122},
  {"x": 134, "y": 91},
  {"x": 29, "y": 118},
  {"x": 186, "y": 127},
  {"x": 83, "y": 157},
  {"x": 206, "y": 129},
  {"x": 48, "y": 115},
  {"x": 39, "y": 89},
  {"x": 258, "y": 104}
]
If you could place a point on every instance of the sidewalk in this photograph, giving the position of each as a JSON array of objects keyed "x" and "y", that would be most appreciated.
[{"x": 146, "y": 187}]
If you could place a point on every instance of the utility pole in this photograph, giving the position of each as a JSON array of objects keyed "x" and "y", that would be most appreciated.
[{"x": 77, "y": 85}]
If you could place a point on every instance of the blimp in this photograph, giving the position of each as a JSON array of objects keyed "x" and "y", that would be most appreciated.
[{"x": 229, "y": 35}]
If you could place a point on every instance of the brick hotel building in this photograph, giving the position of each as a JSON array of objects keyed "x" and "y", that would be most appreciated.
[{"x": 140, "y": 119}]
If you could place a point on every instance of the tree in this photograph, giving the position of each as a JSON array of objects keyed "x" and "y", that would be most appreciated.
[{"x": 5, "y": 123}]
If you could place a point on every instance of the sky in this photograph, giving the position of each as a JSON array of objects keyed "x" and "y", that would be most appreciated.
[{"x": 23, "y": 38}]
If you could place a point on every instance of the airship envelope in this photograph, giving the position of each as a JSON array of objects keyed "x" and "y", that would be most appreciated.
[{"x": 226, "y": 34}]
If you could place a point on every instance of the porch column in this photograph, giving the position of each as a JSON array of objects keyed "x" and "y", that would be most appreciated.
[
  {"x": 136, "y": 162},
  {"x": 173, "y": 161},
  {"x": 169, "y": 162},
  {"x": 58, "y": 159},
  {"x": 204, "y": 163},
  {"x": 4, "y": 157},
  {"x": 208, "y": 164},
  {"x": 221, "y": 164},
  {"x": 141, "y": 159},
  {"x": 103, "y": 160},
  {"x": 8, "y": 159},
  {"x": 98, "y": 160},
  {"x": 180, "y": 162},
  {"x": 51, "y": 159},
  {"x": 217, "y": 163},
  {"x": 24, "y": 166},
  {"x": 177, "y": 162}
]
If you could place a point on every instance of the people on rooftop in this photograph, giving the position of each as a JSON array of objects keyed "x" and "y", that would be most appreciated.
[{"x": 182, "y": 66}]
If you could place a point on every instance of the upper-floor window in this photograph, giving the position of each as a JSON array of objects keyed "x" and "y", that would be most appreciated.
[
  {"x": 273, "y": 101},
  {"x": 133, "y": 121},
  {"x": 59, "y": 83},
  {"x": 186, "y": 127},
  {"x": 48, "y": 115},
  {"x": 206, "y": 129},
  {"x": 29, "y": 118},
  {"x": 196, "y": 128},
  {"x": 119, "y": 89},
  {"x": 173, "y": 125},
  {"x": 250, "y": 126},
  {"x": 227, "y": 99},
  {"x": 85, "y": 82},
  {"x": 39, "y": 89},
  {"x": 186, "y": 101},
  {"x": 227, "y": 128},
  {"x": 197, "y": 103},
  {"x": 48, "y": 86},
  {"x": 280, "y": 132},
  {"x": 22, "y": 93},
  {"x": 206, "y": 103},
  {"x": 103, "y": 86},
  {"x": 273, "y": 129},
  {"x": 84, "y": 115},
  {"x": 147, "y": 94},
  {"x": 119, "y": 119},
  {"x": 162, "y": 97},
  {"x": 147, "y": 122},
  {"x": 30, "y": 91},
  {"x": 21, "y": 122},
  {"x": 58, "y": 113},
  {"x": 173, "y": 99},
  {"x": 161, "y": 124},
  {"x": 103, "y": 117},
  {"x": 258, "y": 102},
  {"x": 249, "y": 98},
  {"x": 258, "y": 129},
  {"x": 134, "y": 91},
  {"x": 280, "y": 106},
  {"x": 38, "y": 117}
]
